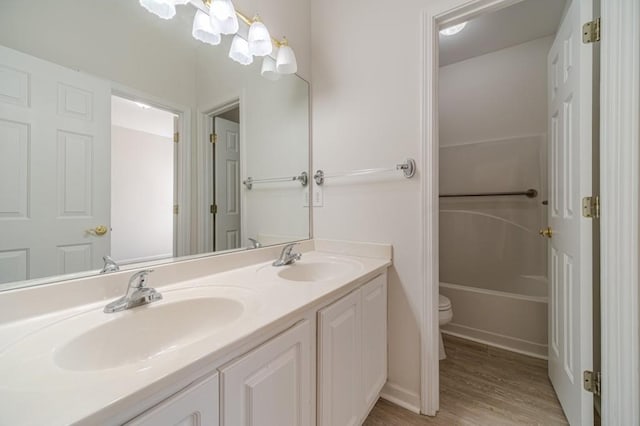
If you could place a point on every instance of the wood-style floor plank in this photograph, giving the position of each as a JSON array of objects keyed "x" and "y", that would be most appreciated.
[{"x": 482, "y": 385}]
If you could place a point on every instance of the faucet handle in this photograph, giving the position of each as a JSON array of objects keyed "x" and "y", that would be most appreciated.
[
  {"x": 141, "y": 276},
  {"x": 255, "y": 243},
  {"x": 289, "y": 248}
]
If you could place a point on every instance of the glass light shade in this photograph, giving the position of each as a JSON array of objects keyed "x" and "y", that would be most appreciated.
[
  {"x": 286, "y": 62},
  {"x": 203, "y": 30},
  {"x": 454, "y": 29},
  {"x": 222, "y": 9},
  {"x": 259, "y": 39},
  {"x": 165, "y": 9},
  {"x": 268, "y": 70},
  {"x": 239, "y": 51},
  {"x": 226, "y": 26}
]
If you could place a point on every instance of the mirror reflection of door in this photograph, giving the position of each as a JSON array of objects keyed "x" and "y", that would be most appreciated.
[
  {"x": 226, "y": 211},
  {"x": 54, "y": 169},
  {"x": 142, "y": 181}
]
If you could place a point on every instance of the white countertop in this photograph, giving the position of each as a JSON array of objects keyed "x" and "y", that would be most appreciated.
[{"x": 34, "y": 389}]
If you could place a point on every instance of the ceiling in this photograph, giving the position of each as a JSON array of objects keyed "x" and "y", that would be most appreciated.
[{"x": 522, "y": 22}]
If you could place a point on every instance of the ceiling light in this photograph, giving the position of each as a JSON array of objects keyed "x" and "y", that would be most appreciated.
[
  {"x": 227, "y": 23},
  {"x": 222, "y": 9},
  {"x": 454, "y": 29},
  {"x": 239, "y": 51},
  {"x": 286, "y": 61},
  {"x": 259, "y": 38},
  {"x": 165, "y": 9},
  {"x": 269, "y": 70},
  {"x": 203, "y": 29}
]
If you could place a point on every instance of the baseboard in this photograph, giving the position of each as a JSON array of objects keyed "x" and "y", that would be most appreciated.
[
  {"x": 400, "y": 396},
  {"x": 508, "y": 343}
]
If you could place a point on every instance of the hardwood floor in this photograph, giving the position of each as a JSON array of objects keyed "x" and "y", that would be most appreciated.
[{"x": 482, "y": 385}]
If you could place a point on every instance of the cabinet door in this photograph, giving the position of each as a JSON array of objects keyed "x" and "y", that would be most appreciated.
[
  {"x": 195, "y": 406},
  {"x": 374, "y": 339},
  {"x": 339, "y": 374},
  {"x": 270, "y": 386}
]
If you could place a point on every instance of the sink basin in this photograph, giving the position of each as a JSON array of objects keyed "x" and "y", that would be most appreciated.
[
  {"x": 146, "y": 332},
  {"x": 316, "y": 271}
]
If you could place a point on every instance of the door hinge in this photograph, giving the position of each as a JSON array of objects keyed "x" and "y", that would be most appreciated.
[
  {"x": 176, "y": 209},
  {"x": 213, "y": 209},
  {"x": 591, "y": 31},
  {"x": 591, "y": 381},
  {"x": 176, "y": 137},
  {"x": 591, "y": 207},
  {"x": 213, "y": 138}
]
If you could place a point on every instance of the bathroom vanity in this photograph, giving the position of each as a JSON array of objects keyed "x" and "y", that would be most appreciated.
[{"x": 233, "y": 341}]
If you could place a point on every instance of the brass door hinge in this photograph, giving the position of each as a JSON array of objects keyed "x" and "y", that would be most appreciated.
[
  {"x": 591, "y": 381},
  {"x": 591, "y": 31},
  {"x": 176, "y": 209},
  {"x": 176, "y": 137},
  {"x": 591, "y": 207},
  {"x": 213, "y": 209},
  {"x": 213, "y": 138}
]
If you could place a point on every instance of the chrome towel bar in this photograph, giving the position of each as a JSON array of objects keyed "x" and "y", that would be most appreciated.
[
  {"x": 408, "y": 169},
  {"x": 529, "y": 193},
  {"x": 303, "y": 178}
]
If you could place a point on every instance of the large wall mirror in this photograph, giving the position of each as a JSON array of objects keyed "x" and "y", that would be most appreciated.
[{"x": 122, "y": 135}]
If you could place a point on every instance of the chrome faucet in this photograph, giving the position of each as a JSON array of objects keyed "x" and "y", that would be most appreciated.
[
  {"x": 137, "y": 294},
  {"x": 287, "y": 257},
  {"x": 110, "y": 265},
  {"x": 255, "y": 243}
]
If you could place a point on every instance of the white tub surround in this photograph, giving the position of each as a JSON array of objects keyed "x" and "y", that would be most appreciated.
[{"x": 48, "y": 380}]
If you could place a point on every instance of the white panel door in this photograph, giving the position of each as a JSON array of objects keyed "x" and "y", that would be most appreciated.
[
  {"x": 340, "y": 399},
  {"x": 54, "y": 168},
  {"x": 271, "y": 386},
  {"x": 374, "y": 339},
  {"x": 570, "y": 263},
  {"x": 227, "y": 184},
  {"x": 198, "y": 405}
]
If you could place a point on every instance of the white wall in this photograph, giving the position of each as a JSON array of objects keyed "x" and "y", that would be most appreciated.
[{"x": 367, "y": 78}]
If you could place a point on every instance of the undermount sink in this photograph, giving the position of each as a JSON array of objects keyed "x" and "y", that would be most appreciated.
[
  {"x": 316, "y": 270},
  {"x": 146, "y": 332}
]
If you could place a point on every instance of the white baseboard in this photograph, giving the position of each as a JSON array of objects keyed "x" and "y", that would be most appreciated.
[
  {"x": 508, "y": 343},
  {"x": 402, "y": 397}
]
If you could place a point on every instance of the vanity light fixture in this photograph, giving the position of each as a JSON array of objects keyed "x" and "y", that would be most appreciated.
[
  {"x": 223, "y": 18},
  {"x": 204, "y": 30},
  {"x": 454, "y": 29},
  {"x": 165, "y": 9},
  {"x": 268, "y": 69},
  {"x": 259, "y": 39},
  {"x": 286, "y": 60},
  {"x": 223, "y": 15},
  {"x": 239, "y": 51}
]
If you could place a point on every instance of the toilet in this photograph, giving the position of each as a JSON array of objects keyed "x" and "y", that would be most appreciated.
[{"x": 445, "y": 315}]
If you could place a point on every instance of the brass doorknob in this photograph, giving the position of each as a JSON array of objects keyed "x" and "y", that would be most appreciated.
[
  {"x": 99, "y": 230},
  {"x": 547, "y": 232}
]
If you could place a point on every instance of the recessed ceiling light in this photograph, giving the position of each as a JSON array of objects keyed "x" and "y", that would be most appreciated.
[{"x": 454, "y": 29}]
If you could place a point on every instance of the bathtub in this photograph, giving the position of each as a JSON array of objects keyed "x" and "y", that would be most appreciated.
[{"x": 512, "y": 321}]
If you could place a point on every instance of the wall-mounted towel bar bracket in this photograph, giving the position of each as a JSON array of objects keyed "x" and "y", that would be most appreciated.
[
  {"x": 408, "y": 169},
  {"x": 303, "y": 178}
]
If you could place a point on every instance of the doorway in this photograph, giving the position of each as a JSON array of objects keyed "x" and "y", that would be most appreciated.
[
  {"x": 225, "y": 178},
  {"x": 143, "y": 179},
  {"x": 569, "y": 313}
]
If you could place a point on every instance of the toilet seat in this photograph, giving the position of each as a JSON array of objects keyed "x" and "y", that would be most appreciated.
[{"x": 444, "y": 304}]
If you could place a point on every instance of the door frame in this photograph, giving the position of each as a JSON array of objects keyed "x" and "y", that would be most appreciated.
[
  {"x": 204, "y": 165},
  {"x": 620, "y": 201},
  {"x": 182, "y": 178}
]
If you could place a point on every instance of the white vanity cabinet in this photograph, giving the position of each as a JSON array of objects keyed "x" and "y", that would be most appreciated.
[
  {"x": 271, "y": 385},
  {"x": 197, "y": 405},
  {"x": 352, "y": 354}
]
